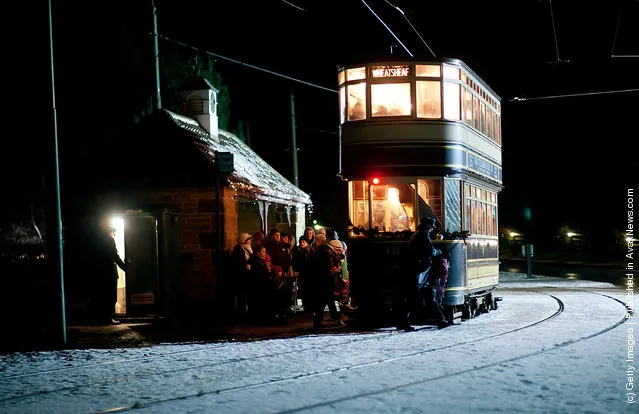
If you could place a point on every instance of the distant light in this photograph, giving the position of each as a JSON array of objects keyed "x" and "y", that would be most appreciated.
[
  {"x": 513, "y": 234},
  {"x": 317, "y": 227},
  {"x": 571, "y": 234},
  {"x": 314, "y": 221},
  {"x": 375, "y": 180}
]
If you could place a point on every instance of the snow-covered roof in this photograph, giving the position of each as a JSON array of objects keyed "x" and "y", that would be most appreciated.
[{"x": 251, "y": 173}]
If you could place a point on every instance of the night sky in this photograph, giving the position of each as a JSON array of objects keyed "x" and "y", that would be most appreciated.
[{"x": 570, "y": 159}]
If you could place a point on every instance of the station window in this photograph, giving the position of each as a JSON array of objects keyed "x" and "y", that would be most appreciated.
[
  {"x": 390, "y": 99},
  {"x": 429, "y": 103},
  {"x": 451, "y": 101},
  {"x": 355, "y": 74},
  {"x": 356, "y": 101},
  {"x": 433, "y": 71}
]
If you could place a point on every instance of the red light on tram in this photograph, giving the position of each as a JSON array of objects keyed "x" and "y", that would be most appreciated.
[{"x": 375, "y": 180}]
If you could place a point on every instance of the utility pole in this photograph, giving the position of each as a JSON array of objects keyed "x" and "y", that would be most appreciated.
[
  {"x": 55, "y": 244},
  {"x": 339, "y": 152},
  {"x": 294, "y": 142},
  {"x": 528, "y": 247},
  {"x": 156, "y": 55}
]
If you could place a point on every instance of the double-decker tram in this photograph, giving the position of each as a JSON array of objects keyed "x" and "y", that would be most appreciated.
[{"x": 420, "y": 139}]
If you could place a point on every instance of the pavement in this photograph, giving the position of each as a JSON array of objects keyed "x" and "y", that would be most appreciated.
[
  {"x": 154, "y": 331},
  {"x": 151, "y": 331}
]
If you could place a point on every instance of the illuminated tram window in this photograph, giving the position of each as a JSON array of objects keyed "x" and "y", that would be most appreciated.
[
  {"x": 390, "y": 99},
  {"x": 451, "y": 101},
  {"x": 489, "y": 126},
  {"x": 355, "y": 74},
  {"x": 468, "y": 107},
  {"x": 480, "y": 213},
  {"x": 341, "y": 77},
  {"x": 356, "y": 101},
  {"x": 433, "y": 71},
  {"x": 429, "y": 103},
  {"x": 475, "y": 113},
  {"x": 392, "y": 206},
  {"x": 451, "y": 72}
]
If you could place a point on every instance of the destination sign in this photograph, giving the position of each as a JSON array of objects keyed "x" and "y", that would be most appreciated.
[{"x": 389, "y": 71}]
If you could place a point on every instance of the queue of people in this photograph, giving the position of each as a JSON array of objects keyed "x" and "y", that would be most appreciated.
[{"x": 270, "y": 273}]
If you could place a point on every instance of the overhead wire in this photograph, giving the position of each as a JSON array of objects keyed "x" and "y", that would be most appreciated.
[
  {"x": 614, "y": 40},
  {"x": 244, "y": 64},
  {"x": 411, "y": 25},
  {"x": 293, "y": 5},
  {"x": 518, "y": 99},
  {"x": 552, "y": 17},
  {"x": 388, "y": 28}
]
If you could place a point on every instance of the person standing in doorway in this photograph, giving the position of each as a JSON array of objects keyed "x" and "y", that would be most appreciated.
[{"x": 109, "y": 261}]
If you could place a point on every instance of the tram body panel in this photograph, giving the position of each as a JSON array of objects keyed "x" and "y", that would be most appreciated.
[
  {"x": 412, "y": 134},
  {"x": 456, "y": 285},
  {"x": 483, "y": 262}
]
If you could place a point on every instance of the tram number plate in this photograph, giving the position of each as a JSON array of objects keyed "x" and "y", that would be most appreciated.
[{"x": 393, "y": 251}]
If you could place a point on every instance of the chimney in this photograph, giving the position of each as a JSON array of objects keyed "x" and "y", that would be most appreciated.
[{"x": 198, "y": 100}]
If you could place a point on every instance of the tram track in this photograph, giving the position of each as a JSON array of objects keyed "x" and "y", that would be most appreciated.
[
  {"x": 148, "y": 358},
  {"x": 560, "y": 309},
  {"x": 161, "y": 355},
  {"x": 469, "y": 370}
]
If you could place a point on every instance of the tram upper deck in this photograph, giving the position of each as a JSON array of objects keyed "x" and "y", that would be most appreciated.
[{"x": 415, "y": 119}]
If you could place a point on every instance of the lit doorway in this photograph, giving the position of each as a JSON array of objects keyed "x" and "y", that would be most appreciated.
[{"x": 136, "y": 238}]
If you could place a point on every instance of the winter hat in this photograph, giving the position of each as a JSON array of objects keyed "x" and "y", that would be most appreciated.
[
  {"x": 276, "y": 269},
  {"x": 427, "y": 221},
  {"x": 243, "y": 238},
  {"x": 336, "y": 244}
]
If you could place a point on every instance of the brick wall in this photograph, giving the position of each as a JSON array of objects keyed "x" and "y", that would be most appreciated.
[{"x": 196, "y": 209}]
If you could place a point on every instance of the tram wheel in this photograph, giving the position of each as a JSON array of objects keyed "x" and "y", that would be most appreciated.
[
  {"x": 467, "y": 312},
  {"x": 490, "y": 303}
]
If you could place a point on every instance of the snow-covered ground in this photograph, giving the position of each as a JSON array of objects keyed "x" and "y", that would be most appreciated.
[{"x": 553, "y": 346}]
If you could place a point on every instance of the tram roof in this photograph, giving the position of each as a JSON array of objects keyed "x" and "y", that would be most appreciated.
[{"x": 452, "y": 61}]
